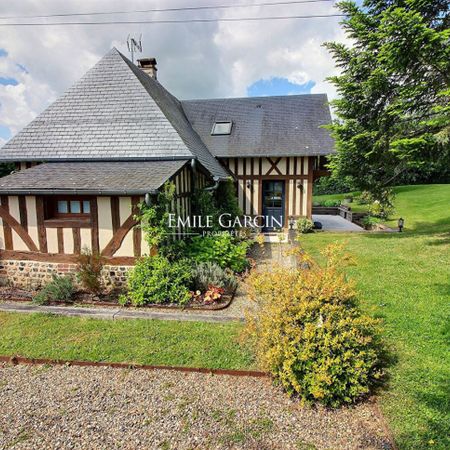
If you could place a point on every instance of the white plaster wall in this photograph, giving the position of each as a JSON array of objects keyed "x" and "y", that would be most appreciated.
[{"x": 105, "y": 232}]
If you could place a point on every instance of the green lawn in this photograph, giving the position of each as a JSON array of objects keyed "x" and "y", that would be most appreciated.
[
  {"x": 404, "y": 278},
  {"x": 156, "y": 342},
  {"x": 423, "y": 206}
]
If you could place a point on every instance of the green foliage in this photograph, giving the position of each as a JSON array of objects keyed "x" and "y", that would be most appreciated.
[
  {"x": 6, "y": 169},
  {"x": 89, "y": 270},
  {"x": 156, "y": 280},
  {"x": 214, "y": 203},
  {"x": 221, "y": 249},
  {"x": 403, "y": 278},
  {"x": 309, "y": 334},
  {"x": 333, "y": 185},
  {"x": 204, "y": 205},
  {"x": 154, "y": 219},
  {"x": 206, "y": 274},
  {"x": 327, "y": 203},
  {"x": 382, "y": 207},
  {"x": 227, "y": 201},
  {"x": 393, "y": 110},
  {"x": 365, "y": 198},
  {"x": 305, "y": 225},
  {"x": 59, "y": 289},
  {"x": 378, "y": 209},
  {"x": 139, "y": 341},
  {"x": 368, "y": 222},
  {"x": 331, "y": 203}
]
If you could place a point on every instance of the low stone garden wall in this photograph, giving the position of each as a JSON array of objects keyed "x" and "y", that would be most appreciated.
[{"x": 35, "y": 274}]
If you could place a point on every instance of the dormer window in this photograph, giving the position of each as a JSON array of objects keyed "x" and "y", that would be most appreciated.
[{"x": 221, "y": 128}]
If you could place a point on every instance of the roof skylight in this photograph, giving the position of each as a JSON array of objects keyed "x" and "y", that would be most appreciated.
[{"x": 221, "y": 128}]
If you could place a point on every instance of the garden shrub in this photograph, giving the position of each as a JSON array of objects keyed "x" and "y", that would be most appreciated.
[
  {"x": 206, "y": 274},
  {"x": 226, "y": 199},
  {"x": 332, "y": 185},
  {"x": 89, "y": 270},
  {"x": 204, "y": 205},
  {"x": 365, "y": 198},
  {"x": 381, "y": 206},
  {"x": 155, "y": 224},
  {"x": 305, "y": 225},
  {"x": 331, "y": 203},
  {"x": 222, "y": 249},
  {"x": 59, "y": 289},
  {"x": 155, "y": 279},
  {"x": 310, "y": 335},
  {"x": 378, "y": 209},
  {"x": 214, "y": 203},
  {"x": 368, "y": 222}
]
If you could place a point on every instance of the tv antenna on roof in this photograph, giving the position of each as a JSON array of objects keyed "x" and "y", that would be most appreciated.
[{"x": 134, "y": 45}]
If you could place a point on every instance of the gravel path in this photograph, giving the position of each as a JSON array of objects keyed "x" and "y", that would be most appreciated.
[{"x": 43, "y": 407}]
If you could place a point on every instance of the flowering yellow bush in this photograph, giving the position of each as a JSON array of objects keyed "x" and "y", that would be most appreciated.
[{"x": 309, "y": 334}]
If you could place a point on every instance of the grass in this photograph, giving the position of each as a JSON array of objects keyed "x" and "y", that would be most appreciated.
[
  {"x": 155, "y": 342},
  {"x": 404, "y": 279},
  {"x": 423, "y": 206}
]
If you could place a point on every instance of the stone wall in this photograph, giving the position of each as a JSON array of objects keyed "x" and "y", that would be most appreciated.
[{"x": 35, "y": 274}]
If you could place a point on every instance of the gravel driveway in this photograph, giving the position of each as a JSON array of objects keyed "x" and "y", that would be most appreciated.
[{"x": 43, "y": 407}]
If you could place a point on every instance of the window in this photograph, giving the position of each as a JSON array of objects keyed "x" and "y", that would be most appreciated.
[
  {"x": 68, "y": 207},
  {"x": 221, "y": 128},
  {"x": 72, "y": 207}
]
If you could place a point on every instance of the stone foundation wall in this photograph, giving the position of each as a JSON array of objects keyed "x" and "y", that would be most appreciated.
[{"x": 35, "y": 274}]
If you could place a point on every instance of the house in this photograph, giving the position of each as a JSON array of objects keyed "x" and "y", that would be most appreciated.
[{"x": 116, "y": 136}]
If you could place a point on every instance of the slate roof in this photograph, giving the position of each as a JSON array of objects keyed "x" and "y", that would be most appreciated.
[
  {"x": 114, "y": 112},
  {"x": 264, "y": 126},
  {"x": 91, "y": 177}
]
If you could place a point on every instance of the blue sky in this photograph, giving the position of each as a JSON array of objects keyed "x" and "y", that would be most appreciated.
[
  {"x": 5, "y": 133},
  {"x": 214, "y": 60},
  {"x": 278, "y": 86},
  {"x": 8, "y": 81}
]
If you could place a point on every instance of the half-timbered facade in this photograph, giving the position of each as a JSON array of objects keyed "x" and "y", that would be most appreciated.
[
  {"x": 113, "y": 140},
  {"x": 288, "y": 178}
]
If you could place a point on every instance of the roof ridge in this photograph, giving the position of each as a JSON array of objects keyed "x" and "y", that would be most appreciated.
[
  {"x": 152, "y": 86},
  {"x": 259, "y": 97}
]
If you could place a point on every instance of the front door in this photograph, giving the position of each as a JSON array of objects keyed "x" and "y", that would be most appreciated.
[{"x": 273, "y": 204}]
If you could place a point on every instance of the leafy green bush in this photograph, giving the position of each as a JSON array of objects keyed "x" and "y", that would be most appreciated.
[
  {"x": 154, "y": 221},
  {"x": 206, "y": 274},
  {"x": 309, "y": 334},
  {"x": 226, "y": 199},
  {"x": 305, "y": 225},
  {"x": 381, "y": 206},
  {"x": 331, "y": 185},
  {"x": 221, "y": 249},
  {"x": 214, "y": 203},
  {"x": 59, "y": 289},
  {"x": 89, "y": 270},
  {"x": 368, "y": 222},
  {"x": 155, "y": 279},
  {"x": 331, "y": 203},
  {"x": 365, "y": 198},
  {"x": 327, "y": 203},
  {"x": 378, "y": 209}
]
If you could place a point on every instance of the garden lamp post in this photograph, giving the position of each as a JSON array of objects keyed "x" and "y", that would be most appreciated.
[{"x": 401, "y": 223}]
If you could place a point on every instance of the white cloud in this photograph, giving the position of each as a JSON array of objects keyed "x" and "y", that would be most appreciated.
[{"x": 194, "y": 60}]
